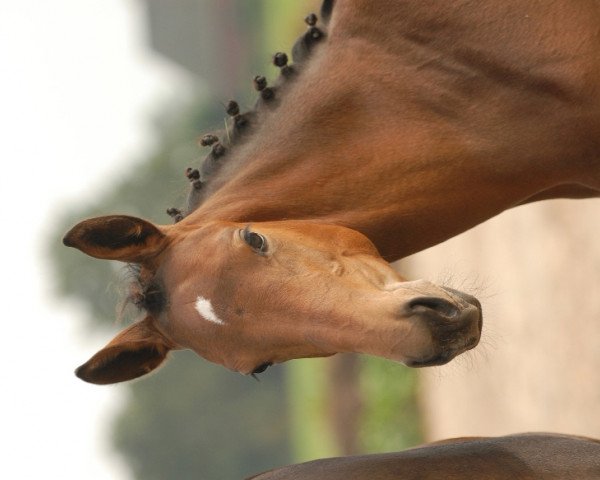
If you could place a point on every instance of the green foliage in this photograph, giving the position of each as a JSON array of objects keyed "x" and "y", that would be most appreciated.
[
  {"x": 391, "y": 419},
  {"x": 283, "y": 22},
  {"x": 146, "y": 191},
  {"x": 307, "y": 383},
  {"x": 196, "y": 420},
  {"x": 192, "y": 419}
]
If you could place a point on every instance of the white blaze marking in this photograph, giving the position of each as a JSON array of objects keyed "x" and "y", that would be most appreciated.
[{"x": 205, "y": 309}]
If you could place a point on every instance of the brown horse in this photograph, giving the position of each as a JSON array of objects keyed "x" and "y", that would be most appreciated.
[
  {"x": 515, "y": 457},
  {"x": 400, "y": 124}
]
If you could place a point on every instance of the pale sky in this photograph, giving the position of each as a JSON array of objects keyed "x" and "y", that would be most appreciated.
[{"x": 77, "y": 88}]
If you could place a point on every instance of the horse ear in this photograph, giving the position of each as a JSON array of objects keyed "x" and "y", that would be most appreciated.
[
  {"x": 116, "y": 237},
  {"x": 134, "y": 352}
]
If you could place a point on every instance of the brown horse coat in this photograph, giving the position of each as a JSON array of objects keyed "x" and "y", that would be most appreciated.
[{"x": 403, "y": 124}]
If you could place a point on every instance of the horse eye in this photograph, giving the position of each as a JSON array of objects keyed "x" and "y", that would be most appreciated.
[{"x": 255, "y": 240}]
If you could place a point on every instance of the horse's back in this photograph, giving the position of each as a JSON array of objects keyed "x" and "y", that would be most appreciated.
[{"x": 515, "y": 457}]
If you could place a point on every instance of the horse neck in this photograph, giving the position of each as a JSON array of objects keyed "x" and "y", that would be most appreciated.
[{"x": 379, "y": 134}]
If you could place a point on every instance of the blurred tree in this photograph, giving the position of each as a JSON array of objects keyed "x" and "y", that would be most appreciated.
[
  {"x": 193, "y": 419},
  {"x": 146, "y": 191},
  {"x": 196, "y": 420}
]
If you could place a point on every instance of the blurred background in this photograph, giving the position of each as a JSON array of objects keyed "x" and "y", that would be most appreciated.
[{"x": 102, "y": 103}]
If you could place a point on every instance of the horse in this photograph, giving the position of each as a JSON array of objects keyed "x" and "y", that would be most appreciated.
[
  {"x": 398, "y": 124},
  {"x": 531, "y": 456}
]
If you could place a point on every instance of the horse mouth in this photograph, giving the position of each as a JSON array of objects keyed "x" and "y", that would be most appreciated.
[
  {"x": 443, "y": 357},
  {"x": 437, "y": 360}
]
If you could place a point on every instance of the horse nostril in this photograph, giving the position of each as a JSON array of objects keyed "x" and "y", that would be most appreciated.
[
  {"x": 438, "y": 305},
  {"x": 465, "y": 296}
]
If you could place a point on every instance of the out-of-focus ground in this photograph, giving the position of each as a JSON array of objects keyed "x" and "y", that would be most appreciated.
[{"x": 537, "y": 271}]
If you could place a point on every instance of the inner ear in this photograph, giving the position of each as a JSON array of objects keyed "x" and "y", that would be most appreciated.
[
  {"x": 116, "y": 237},
  {"x": 134, "y": 352},
  {"x": 121, "y": 363}
]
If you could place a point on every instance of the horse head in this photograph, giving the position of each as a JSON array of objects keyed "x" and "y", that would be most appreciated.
[{"x": 250, "y": 295}]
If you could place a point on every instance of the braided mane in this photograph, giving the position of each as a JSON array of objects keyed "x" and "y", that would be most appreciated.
[{"x": 240, "y": 126}]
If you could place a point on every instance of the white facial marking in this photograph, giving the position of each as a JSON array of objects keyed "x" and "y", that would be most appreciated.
[{"x": 205, "y": 309}]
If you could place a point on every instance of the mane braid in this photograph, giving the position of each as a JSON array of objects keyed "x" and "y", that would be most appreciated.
[{"x": 240, "y": 126}]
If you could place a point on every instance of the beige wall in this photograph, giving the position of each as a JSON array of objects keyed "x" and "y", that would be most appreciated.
[{"x": 537, "y": 271}]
